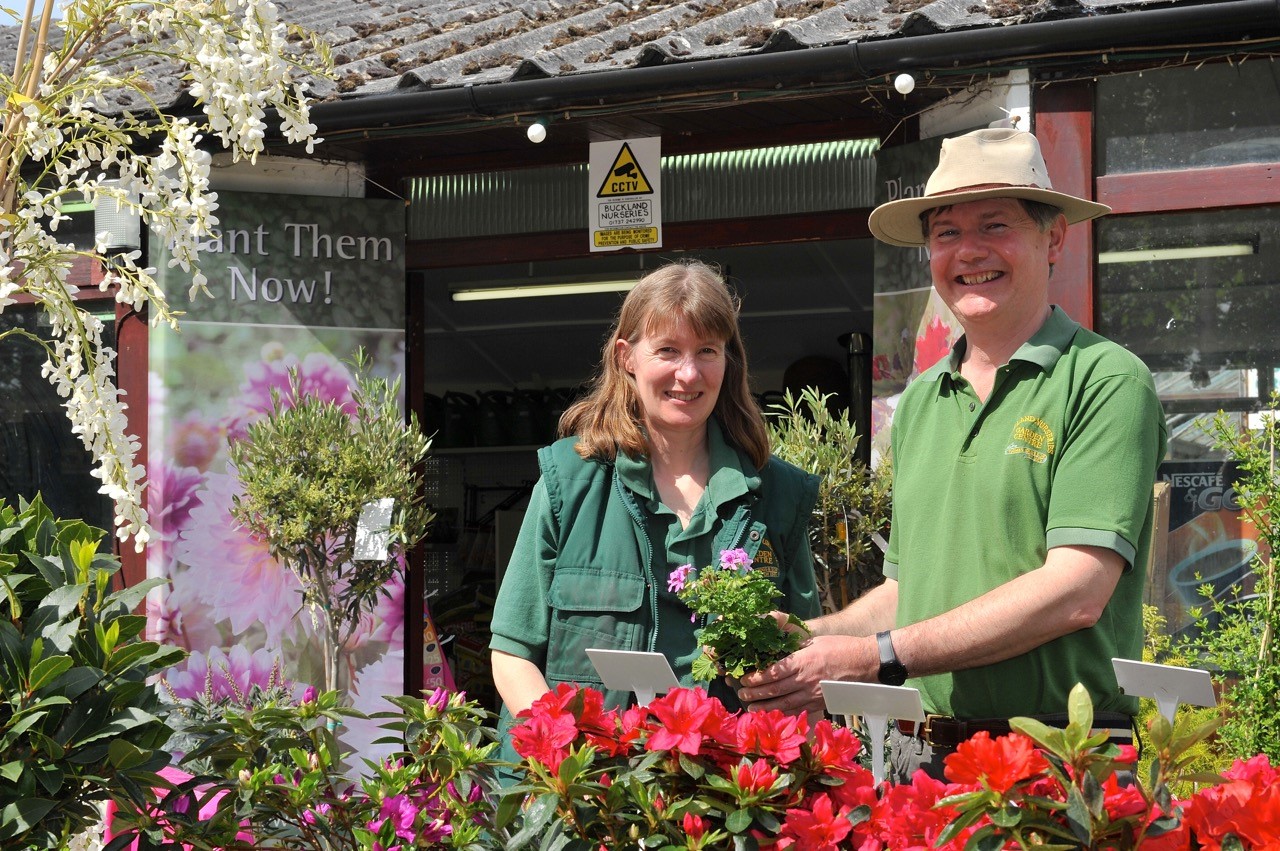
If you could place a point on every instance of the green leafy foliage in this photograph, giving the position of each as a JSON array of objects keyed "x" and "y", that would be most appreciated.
[
  {"x": 1236, "y": 639},
  {"x": 1205, "y": 756},
  {"x": 853, "y": 505},
  {"x": 79, "y": 723},
  {"x": 308, "y": 469},
  {"x": 274, "y": 779}
]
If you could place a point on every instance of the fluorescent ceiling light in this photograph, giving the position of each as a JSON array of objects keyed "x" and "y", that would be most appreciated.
[
  {"x": 1190, "y": 252},
  {"x": 537, "y": 290}
]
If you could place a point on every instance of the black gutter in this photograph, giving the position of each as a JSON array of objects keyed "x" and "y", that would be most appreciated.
[{"x": 792, "y": 69}]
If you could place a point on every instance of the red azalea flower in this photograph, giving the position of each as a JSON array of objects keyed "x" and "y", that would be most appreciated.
[
  {"x": 1247, "y": 805},
  {"x": 835, "y": 747},
  {"x": 1128, "y": 754},
  {"x": 906, "y": 818},
  {"x": 995, "y": 763},
  {"x": 820, "y": 827},
  {"x": 1121, "y": 801},
  {"x": 933, "y": 345},
  {"x": 694, "y": 825},
  {"x": 681, "y": 714},
  {"x": 773, "y": 733},
  {"x": 754, "y": 777},
  {"x": 633, "y": 726},
  {"x": 545, "y": 738},
  {"x": 554, "y": 702}
]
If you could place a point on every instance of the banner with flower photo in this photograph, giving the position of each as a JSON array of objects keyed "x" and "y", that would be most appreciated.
[
  {"x": 913, "y": 328},
  {"x": 296, "y": 281}
]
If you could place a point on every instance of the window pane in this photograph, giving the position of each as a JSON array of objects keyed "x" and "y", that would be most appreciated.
[
  {"x": 1195, "y": 295},
  {"x": 38, "y": 452},
  {"x": 1179, "y": 117}
]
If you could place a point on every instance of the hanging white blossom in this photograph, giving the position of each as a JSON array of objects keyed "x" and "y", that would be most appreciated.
[{"x": 65, "y": 137}]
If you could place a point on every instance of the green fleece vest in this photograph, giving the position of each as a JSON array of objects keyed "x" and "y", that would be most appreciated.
[{"x": 604, "y": 588}]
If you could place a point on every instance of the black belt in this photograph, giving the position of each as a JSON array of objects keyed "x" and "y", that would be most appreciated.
[{"x": 941, "y": 731}]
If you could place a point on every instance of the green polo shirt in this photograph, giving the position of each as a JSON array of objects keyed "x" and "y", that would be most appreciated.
[{"x": 1063, "y": 452}]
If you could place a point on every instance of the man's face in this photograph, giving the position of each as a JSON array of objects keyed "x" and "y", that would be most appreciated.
[{"x": 990, "y": 262}]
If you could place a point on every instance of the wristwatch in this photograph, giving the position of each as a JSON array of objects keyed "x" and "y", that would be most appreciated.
[{"x": 892, "y": 672}]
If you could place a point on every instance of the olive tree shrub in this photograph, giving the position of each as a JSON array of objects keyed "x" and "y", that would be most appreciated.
[
  {"x": 308, "y": 470},
  {"x": 850, "y": 519}
]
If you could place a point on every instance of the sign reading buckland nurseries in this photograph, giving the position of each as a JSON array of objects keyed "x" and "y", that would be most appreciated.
[{"x": 625, "y": 194}]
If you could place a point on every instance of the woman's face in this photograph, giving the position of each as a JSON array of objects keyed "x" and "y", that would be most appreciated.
[{"x": 678, "y": 376}]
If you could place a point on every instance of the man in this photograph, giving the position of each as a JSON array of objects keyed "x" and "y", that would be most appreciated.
[{"x": 1023, "y": 471}]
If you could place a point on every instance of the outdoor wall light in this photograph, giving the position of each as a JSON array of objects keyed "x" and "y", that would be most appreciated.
[
  {"x": 121, "y": 223},
  {"x": 537, "y": 131},
  {"x": 1189, "y": 252}
]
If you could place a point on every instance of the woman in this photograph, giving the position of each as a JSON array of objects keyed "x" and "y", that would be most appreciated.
[{"x": 666, "y": 462}]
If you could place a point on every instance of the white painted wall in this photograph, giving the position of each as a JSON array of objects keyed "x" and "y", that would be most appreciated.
[
  {"x": 288, "y": 176},
  {"x": 1002, "y": 100}
]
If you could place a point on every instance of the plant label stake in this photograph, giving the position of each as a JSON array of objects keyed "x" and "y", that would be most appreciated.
[
  {"x": 876, "y": 704},
  {"x": 1165, "y": 684},
  {"x": 646, "y": 674},
  {"x": 373, "y": 530}
]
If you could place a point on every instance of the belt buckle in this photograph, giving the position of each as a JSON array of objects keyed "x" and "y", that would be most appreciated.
[{"x": 926, "y": 729}]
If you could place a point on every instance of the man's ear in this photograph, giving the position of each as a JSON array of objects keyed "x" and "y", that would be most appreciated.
[{"x": 1057, "y": 239}]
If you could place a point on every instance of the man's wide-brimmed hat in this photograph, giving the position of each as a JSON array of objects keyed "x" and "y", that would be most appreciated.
[{"x": 988, "y": 163}]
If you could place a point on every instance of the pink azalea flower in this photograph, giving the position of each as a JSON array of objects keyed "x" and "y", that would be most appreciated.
[{"x": 682, "y": 714}]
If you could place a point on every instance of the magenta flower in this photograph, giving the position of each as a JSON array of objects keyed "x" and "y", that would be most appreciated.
[
  {"x": 678, "y": 577},
  {"x": 309, "y": 694},
  {"x": 401, "y": 811},
  {"x": 735, "y": 560}
]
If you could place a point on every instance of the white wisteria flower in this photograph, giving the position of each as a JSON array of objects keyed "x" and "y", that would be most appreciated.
[{"x": 64, "y": 138}]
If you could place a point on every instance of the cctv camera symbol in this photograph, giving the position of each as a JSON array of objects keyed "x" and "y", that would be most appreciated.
[{"x": 628, "y": 170}]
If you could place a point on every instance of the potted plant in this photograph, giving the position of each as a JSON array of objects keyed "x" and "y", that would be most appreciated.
[
  {"x": 310, "y": 470},
  {"x": 849, "y": 528}
]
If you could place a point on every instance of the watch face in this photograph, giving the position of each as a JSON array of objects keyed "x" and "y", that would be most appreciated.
[{"x": 893, "y": 673}]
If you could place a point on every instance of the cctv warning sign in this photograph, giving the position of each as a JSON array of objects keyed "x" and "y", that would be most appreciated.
[
  {"x": 625, "y": 177},
  {"x": 626, "y": 196}
]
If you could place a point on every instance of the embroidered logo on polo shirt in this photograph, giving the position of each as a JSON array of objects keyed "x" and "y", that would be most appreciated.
[
  {"x": 765, "y": 560},
  {"x": 1033, "y": 438}
]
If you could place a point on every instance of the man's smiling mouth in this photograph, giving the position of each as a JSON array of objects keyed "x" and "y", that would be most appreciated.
[{"x": 980, "y": 278}]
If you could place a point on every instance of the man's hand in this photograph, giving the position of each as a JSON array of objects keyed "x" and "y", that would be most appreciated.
[{"x": 792, "y": 684}]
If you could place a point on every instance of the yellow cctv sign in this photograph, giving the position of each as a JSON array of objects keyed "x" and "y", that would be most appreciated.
[{"x": 626, "y": 197}]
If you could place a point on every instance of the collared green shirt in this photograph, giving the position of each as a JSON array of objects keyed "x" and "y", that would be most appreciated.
[{"x": 1063, "y": 452}]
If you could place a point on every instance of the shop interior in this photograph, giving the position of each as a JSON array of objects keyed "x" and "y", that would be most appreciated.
[{"x": 500, "y": 371}]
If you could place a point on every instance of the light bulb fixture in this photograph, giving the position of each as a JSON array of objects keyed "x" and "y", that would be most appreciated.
[
  {"x": 537, "y": 131},
  {"x": 539, "y": 290},
  {"x": 904, "y": 83},
  {"x": 1189, "y": 252}
]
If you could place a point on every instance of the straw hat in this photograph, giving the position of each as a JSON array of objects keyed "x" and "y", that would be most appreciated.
[{"x": 988, "y": 163}]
